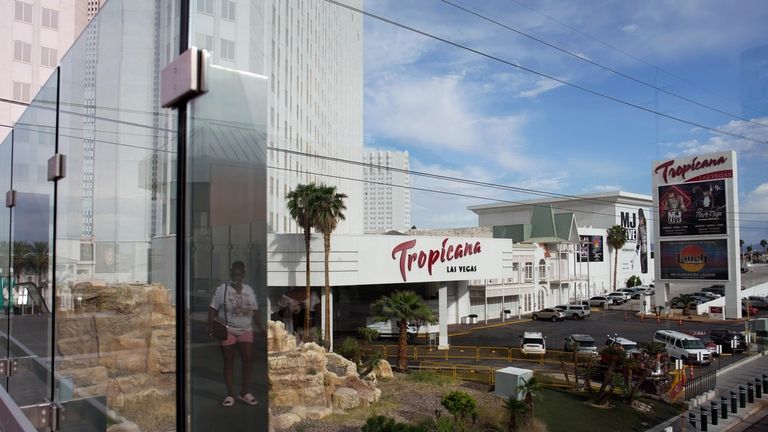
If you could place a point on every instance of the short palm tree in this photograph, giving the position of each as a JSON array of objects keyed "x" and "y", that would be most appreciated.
[
  {"x": 763, "y": 243},
  {"x": 301, "y": 205},
  {"x": 617, "y": 237},
  {"x": 685, "y": 300},
  {"x": 329, "y": 212},
  {"x": 402, "y": 306},
  {"x": 514, "y": 408},
  {"x": 532, "y": 390}
]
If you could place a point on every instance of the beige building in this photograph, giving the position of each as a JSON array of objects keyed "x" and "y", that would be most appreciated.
[{"x": 36, "y": 34}]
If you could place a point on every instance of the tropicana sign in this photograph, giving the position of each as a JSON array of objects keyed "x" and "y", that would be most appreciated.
[
  {"x": 448, "y": 252},
  {"x": 669, "y": 170}
]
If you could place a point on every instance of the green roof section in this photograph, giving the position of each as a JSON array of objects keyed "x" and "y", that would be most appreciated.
[
  {"x": 519, "y": 233},
  {"x": 545, "y": 227}
]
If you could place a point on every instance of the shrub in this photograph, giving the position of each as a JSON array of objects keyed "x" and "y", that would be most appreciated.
[
  {"x": 385, "y": 424},
  {"x": 428, "y": 377},
  {"x": 367, "y": 334},
  {"x": 461, "y": 404},
  {"x": 350, "y": 349},
  {"x": 634, "y": 281}
]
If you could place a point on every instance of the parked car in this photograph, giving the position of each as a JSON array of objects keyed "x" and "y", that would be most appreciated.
[
  {"x": 618, "y": 297},
  {"x": 752, "y": 311},
  {"x": 683, "y": 346},
  {"x": 695, "y": 301},
  {"x": 551, "y": 314},
  {"x": 629, "y": 346},
  {"x": 709, "y": 344},
  {"x": 601, "y": 301},
  {"x": 717, "y": 289},
  {"x": 758, "y": 302},
  {"x": 701, "y": 297},
  {"x": 580, "y": 344},
  {"x": 533, "y": 343},
  {"x": 574, "y": 311},
  {"x": 730, "y": 340},
  {"x": 708, "y": 294}
]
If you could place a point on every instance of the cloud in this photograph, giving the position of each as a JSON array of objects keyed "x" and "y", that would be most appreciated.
[
  {"x": 717, "y": 143},
  {"x": 630, "y": 28},
  {"x": 606, "y": 188},
  {"x": 542, "y": 86},
  {"x": 753, "y": 211}
]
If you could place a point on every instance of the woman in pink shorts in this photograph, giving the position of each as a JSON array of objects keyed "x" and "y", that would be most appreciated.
[{"x": 235, "y": 303}]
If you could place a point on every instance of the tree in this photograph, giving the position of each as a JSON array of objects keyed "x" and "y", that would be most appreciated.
[
  {"x": 617, "y": 237},
  {"x": 763, "y": 243},
  {"x": 634, "y": 281},
  {"x": 462, "y": 406},
  {"x": 612, "y": 356},
  {"x": 301, "y": 202},
  {"x": 685, "y": 300},
  {"x": 741, "y": 246},
  {"x": 654, "y": 354},
  {"x": 514, "y": 408},
  {"x": 329, "y": 212},
  {"x": 402, "y": 306},
  {"x": 532, "y": 390}
]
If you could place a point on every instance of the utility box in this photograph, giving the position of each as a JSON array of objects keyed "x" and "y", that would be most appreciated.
[
  {"x": 759, "y": 326},
  {"x": 511, "y": 381}
]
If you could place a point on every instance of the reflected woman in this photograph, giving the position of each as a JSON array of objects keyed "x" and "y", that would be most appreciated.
[{"x": 235, "y": 303}]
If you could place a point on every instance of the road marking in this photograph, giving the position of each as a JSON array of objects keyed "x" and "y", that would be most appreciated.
[{"x": 488, "y": 326}]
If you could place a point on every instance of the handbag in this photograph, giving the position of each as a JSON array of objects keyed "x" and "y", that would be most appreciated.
[{"x": 220, "y": 330}]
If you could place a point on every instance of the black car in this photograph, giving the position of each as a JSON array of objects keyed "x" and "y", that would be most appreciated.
[{"x": 730, "y": 340}]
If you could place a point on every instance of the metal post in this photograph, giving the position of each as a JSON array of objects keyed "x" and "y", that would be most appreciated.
[
  {"x": 733, "y": 402},
  {"x": 750, "y": 392},
  {"x": 692, "y": 419},
  {"x": 765, "y": 383},
  {"x": 742, "y": 397},
  {"x": 758, "y": 389},
  {"x": 724, "y": 407},
  {"x": 714, "y": 413},
  {"x": 703, "y": 419}
]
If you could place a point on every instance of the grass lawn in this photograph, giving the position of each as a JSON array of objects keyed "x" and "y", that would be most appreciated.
[{"x": 566, "y": 412}]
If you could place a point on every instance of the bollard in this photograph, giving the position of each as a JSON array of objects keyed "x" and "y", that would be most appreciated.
[
  {"x": 692, "y": 419},
  {"x": 724, "y": 407},
  {"x": 713, "y": 410},
  {"x": 742, "y": 397},
  {"x": 765, "y": 384},
  {"x": 758, "y": 389},
  {"x": 750, "y": 393},
  {"x": 703, "y": 419},
  {"x": 733, "y": 402}
]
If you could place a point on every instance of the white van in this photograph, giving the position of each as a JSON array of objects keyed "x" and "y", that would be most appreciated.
[
  {"x": 533, "y": 343},
  {"x": 683, "y": 346},
  {"x": 389, "y": 328}
]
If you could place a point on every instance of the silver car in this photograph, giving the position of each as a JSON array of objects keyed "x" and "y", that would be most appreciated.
[{"x": 551, "y": 314}]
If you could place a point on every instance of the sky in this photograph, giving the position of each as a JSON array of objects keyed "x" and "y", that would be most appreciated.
[{"x": 464, "y": 115}]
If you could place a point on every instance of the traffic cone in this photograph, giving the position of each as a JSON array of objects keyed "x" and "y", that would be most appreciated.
[
  {"x": 625, "y": 316},
  {"x": 679, "y": 321}
]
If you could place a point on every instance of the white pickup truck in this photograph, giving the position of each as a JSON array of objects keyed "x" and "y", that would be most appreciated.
[{"x": 389, "y": 328}]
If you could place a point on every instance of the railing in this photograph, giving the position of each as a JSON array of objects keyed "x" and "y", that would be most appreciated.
[
  {"x": 12, "y": 419},
  {"x": 475, "y": 353},
  {"x": 700, "y": 384}
]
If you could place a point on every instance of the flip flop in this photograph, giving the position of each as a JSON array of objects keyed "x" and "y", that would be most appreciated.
[
  {"x": 228, "y": 401},
  {"x": 248, "y": 399}
]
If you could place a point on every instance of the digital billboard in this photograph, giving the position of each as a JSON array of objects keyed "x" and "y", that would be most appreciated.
[
  {"x": 591, "y": 248},
  {"x": 694, "y": 260},
  {"x": 690, "y": 209}
]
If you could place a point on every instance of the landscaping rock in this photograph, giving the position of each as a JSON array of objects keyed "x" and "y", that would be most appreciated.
[{"x": 345, "y": 398}]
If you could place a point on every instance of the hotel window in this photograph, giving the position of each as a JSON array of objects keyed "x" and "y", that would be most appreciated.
[
  {"x": 22, "y": 51},
  {"x": 49, "y": 57},
  {"x": 50, "y": 18},
  {"x": 228, "y": 49},
  {"x": 204, "y": 41},
  {"x": 23, "y": 12},
  {"x": 205, "y": 6},
  {"x": 21, "y": 91},
  {"x": 228, "y": 9}
]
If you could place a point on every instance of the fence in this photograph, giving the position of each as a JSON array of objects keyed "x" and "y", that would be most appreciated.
[
  {"x": 700, "y": 384},
  {"x": 475, "y": 353}
]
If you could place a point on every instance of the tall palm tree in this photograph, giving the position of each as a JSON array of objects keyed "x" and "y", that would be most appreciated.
[
  {"x": 741, "y": 246},
  {"x": 617, "y": 237},
  {"x": 763, "y": 243},
  {"x": 330, "y": 211},
  {"x": 402, "y": 306},
  {"x": 38, "y": 258},
  {"x": 301, "y": 205}
]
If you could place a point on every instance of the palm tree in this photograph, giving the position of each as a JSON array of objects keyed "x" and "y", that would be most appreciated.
[
  {"x": 741, "y": 246},
  {"x": 532, "y": 390},
  {"x": 301, "y": 206},
  {"x": 653, "y": 354},
  {"x": 403, "y": 306},
  {"x": 763, "y": 243},
  {"x": 38, "y": 258},
  {"x": 685, "y": 300},
  {"x": 329, "y": 211},
  {"x": 613, "y": 356},
  {"x": 514, "y": 408},
  {"x": 617, "y": 237}
]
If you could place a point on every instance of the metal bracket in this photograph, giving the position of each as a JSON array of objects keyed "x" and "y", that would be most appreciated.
[
  {"x": 57, "y": 167},
  {"x": 9, "y": 367},
  {"x": 44, "y": 415},
  {"x": 184, "y": 78},
  {"x": 10, "y": 198}
]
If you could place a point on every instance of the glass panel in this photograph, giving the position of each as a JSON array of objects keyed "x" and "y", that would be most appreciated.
[
  {"x": 115, "y": 244},
  {"x": 5, "y": 248},
  {"x": 226, "y": 219},
  {"x": 31, "y": 232}
]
